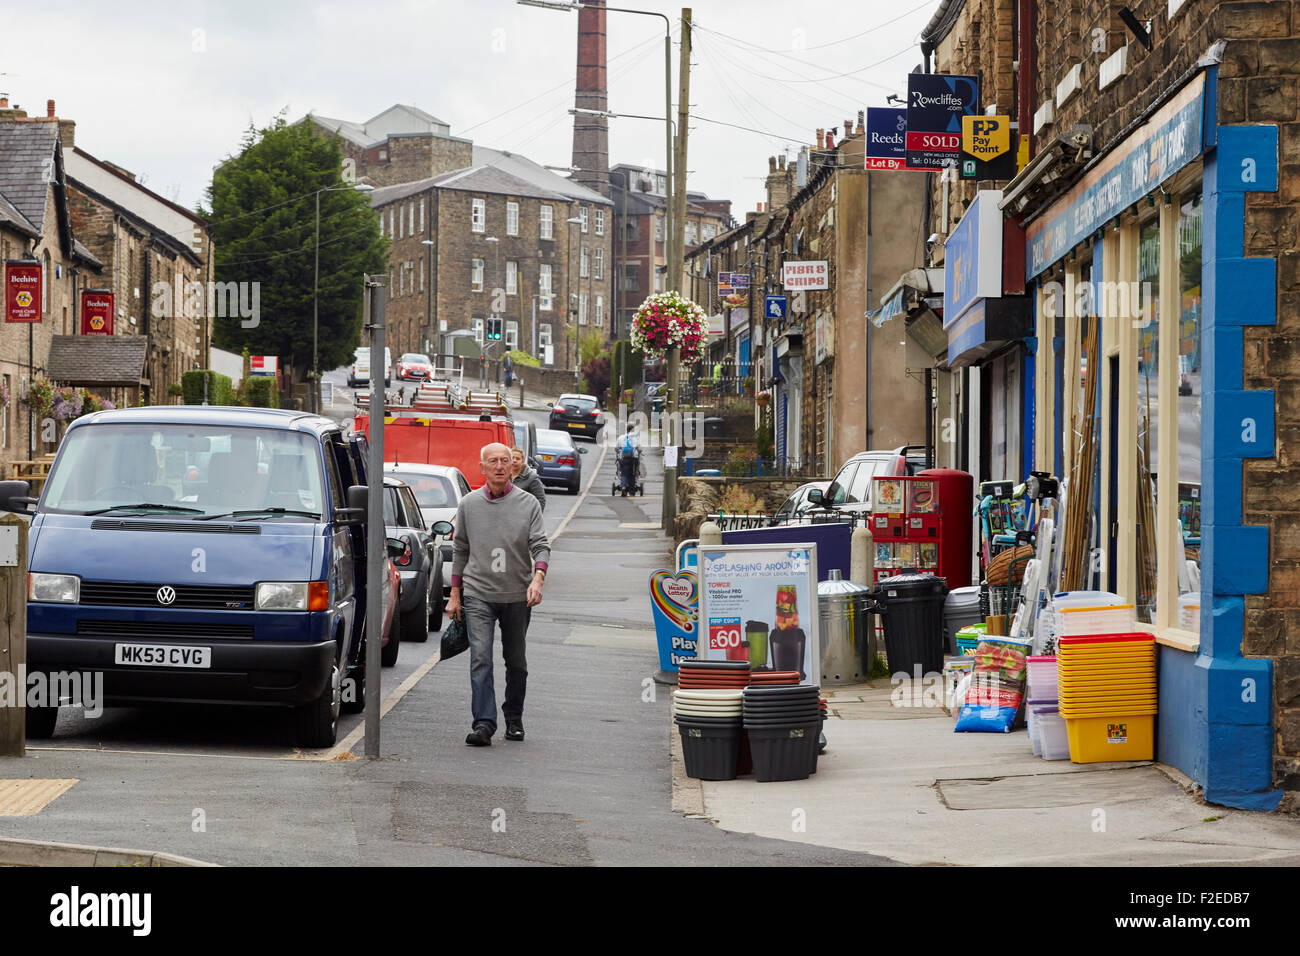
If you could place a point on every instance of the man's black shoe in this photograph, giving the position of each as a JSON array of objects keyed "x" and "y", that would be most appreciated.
[
  {"x": 514, "y": 730},
  {"x": 479, "y": 737}
]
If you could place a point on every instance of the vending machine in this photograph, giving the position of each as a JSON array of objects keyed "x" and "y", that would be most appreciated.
[{"x": 923, "y": 522}]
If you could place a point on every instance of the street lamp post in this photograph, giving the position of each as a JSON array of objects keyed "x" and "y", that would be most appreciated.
[
  {"x": 428, "y": 292},
  {"x": 496, "y": 271},
  {"x": 571, "y": 296},
  {"x": 315, "y": 294}
]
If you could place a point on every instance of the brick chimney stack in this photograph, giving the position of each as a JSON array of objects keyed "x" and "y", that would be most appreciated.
[
  {"x": 821, "y": 139},
  {"x": 861, "y": 118},
  {"x": 591, "y": 133},
  {"x": 780, "y": 183}
]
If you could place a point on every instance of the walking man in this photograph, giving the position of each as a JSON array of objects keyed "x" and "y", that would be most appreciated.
[{"x": 499, "y": 564}]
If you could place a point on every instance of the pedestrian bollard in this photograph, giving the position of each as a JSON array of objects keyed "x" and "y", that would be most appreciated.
[
  {"x": 521, "y": 394},
  {"x": 13, "y": 634}
]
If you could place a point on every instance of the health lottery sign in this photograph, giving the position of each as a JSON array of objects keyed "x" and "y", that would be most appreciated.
[
  {"x": 675, "y": 607},
  {"x": 936, "y": 104},
  {"x": 22, "y": 290},
  {"x": 96, "y": 312}
]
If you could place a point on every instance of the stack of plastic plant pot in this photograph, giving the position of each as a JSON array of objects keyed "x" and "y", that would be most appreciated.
[
  {"x": 783, "y": 723},
  {"x": 715, "y": 675},
  {"x": 1041, "y": 696},
  {"x": 709, "y": 722},
  {"x": 1108, "y": 695}
]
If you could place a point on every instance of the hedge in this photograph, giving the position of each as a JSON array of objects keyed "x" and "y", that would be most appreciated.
[
  {"x": 220, "y": 391},
  {"x": 260, "y": 392}
]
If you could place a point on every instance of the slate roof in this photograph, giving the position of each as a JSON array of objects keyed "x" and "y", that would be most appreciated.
[
  {"x": 11, "y": 217},
  {"x": 478, "y": 179},
  {"x": 538, "y": 175},
  {"x": 97, "y": 360},
  {"x": 26, "y": 154}
]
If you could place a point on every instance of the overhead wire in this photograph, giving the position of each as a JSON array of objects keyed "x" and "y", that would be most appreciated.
[{"x": 803, "y": 77}]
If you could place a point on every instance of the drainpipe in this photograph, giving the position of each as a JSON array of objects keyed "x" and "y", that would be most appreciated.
[{"x": 1027, "y": 68}]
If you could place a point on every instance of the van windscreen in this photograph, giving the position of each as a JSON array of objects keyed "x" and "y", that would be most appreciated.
[{"x": 186, "y": 469}]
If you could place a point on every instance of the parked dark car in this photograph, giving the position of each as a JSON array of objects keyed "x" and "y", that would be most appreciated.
[
  {"x": 420, "y": 566},
  {"x": 850, "y": 491},
  {"x": 558, "y": 459},
  {"x": 577, "y": 414},
  {"x": 794, "y": 508}
]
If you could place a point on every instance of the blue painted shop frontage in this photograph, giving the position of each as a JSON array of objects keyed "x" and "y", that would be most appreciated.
[{"x": 1115, "y": 359}]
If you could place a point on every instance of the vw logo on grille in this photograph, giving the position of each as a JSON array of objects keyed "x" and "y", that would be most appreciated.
[{"x": 166, "y": 594}]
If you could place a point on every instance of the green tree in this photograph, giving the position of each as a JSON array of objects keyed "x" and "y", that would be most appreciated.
[{"x": 262, "y": 204}]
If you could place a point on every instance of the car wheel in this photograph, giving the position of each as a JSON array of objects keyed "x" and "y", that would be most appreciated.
[
  {"x": 41, "y": 721},
  {"x": 388, "y": 654},
  {"x": 435, "y": 612},
  {"x": 415, "y": 623},
  {"x": 354, "y": 687},
  {"x": 318, "y": 721}
]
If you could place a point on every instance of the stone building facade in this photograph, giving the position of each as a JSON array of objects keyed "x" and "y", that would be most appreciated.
[
  {"x": 500, "y": 247},
  {"x": 1155, "y": 210}
]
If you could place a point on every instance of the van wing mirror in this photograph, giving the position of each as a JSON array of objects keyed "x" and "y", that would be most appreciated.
[
  {"x": 442, "y": 528},
  {"x": 358, "y": 499},
  {"x": 815, "y": 496},
  {"x": 15, "y": 496}
]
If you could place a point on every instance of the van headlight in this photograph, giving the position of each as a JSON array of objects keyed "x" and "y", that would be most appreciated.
[
  {"x": 53, "y": 588},
  {"x": 292, "y": 596},
  {"x": 282, "y": 596}
]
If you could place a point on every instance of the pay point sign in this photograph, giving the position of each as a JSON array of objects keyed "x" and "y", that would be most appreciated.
[{"x": 986, "y": 148}]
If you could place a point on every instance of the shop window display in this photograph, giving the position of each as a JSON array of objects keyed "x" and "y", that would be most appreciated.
[
  {"x": 1148, "y": 417},
  {"x": 1189, "y": 409}
]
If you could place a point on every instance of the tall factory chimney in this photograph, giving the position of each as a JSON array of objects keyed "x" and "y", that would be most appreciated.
[{"x": 591, "y": 133}]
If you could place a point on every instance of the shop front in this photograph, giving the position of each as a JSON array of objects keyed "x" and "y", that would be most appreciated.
[
  {"x": 1141, "y": 292},
  {"x": 989, "y": 355}
]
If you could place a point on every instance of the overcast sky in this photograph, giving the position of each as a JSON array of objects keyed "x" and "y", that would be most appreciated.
[{"x": 166, "y": 89}]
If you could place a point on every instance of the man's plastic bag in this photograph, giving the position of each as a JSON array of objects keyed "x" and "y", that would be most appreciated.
[{"x": 455, "y": 638}]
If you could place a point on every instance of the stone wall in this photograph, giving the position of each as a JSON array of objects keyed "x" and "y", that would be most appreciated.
[
  {"x": 544, "y": 382},
  {"x": 1258, "y": 81}
]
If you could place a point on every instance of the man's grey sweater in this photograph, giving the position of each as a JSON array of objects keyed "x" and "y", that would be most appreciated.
[
  {"x": 529, "y": 481},
  {"x": 497, "y": 545}
]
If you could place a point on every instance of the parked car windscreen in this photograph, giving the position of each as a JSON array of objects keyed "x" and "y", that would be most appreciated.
[
  {"x": 550, "y": 440},
  {"x": 195, "y": 469},
  {"x": 431, "y": 491}
]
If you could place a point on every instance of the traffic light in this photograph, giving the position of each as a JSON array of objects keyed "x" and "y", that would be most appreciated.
[{"x": 494, "y": 330}]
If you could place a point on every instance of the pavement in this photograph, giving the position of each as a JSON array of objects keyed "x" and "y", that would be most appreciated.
[{"x": 897, "y": 782}]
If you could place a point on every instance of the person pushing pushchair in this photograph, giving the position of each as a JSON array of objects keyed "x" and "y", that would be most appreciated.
[{"x": 629, "y": 463}]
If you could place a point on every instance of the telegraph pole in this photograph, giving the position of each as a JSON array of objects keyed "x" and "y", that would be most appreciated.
[{"x": 676, "y": 257}]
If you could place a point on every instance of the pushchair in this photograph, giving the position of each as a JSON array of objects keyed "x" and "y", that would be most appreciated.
[{"x": 630, "y": 473}]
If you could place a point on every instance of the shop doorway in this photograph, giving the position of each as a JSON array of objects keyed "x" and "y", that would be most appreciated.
[{"x": 1112, "y": 480}]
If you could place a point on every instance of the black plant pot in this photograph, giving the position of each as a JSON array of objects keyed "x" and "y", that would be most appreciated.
[
  {"x": 711, "y": 751},
  {"x": 782, "y": 753}
]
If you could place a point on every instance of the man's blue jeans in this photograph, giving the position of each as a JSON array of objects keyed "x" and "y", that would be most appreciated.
[{"x": 481, "y": 618}]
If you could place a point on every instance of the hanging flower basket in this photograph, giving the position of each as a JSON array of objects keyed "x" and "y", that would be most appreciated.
[
  {"x": 667, "y": 319},
  {"x": 763, "y": 398}
]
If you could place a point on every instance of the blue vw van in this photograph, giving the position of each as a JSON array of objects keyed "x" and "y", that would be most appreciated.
[{"x": 196, "y": 554}]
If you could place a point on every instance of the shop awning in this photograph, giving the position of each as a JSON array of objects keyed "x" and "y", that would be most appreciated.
[
  {"x": 986, "y": 327},
  {"x": 917, "y": 296},
  {"x": 98, "y": 361}
]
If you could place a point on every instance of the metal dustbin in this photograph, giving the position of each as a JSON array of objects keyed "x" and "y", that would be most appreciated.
[
  {"x": 848, "y": 640},
  {"x": 715, "y": 427}
]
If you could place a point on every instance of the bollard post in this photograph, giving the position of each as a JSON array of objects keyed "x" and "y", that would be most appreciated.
[
  {"x": 710, "y": 534},
  {"x": 862, "y": 557},
  {"x": 13, "y": 634},
  {"x": 521, "y": 393}
]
